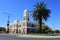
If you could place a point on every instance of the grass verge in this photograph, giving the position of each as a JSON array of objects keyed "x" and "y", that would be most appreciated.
[{"x": 42, "y": 34}]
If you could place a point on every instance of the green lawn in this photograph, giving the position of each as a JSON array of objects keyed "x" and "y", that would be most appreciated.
[{"x": 42, "y": 34}]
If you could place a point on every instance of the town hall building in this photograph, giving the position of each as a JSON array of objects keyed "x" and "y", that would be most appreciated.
[{"x": 25, "y": 26}]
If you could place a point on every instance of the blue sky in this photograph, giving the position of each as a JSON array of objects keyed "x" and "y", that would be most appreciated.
[{"x": 16, "y": 7}]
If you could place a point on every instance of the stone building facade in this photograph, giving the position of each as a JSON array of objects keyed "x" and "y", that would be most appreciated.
[{"x": 25, "y": 26}]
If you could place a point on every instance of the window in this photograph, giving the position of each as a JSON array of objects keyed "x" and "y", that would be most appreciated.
[
  {"x": 30, "y": 25},
  {"x": 24, "y": 19},
  {"x": 33, "y": 25},
  {"x": 20, "y": 25}
]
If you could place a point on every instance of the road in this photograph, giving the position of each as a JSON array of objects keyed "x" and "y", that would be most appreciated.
[{"x": 14, "y": 37}]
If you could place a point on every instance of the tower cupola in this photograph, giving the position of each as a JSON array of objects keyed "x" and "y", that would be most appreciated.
[{"x": 26, "y": 15}]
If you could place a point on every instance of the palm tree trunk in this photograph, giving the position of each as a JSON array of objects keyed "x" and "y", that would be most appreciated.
[{"x": 40, "y": 25}]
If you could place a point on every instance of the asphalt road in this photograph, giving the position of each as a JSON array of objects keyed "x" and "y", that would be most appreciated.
[{"x": 13, "y": 37}]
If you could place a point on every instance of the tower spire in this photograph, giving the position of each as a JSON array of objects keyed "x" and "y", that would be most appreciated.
[
  {"x": 8, "y": 21},
  {"x": 8, "y": 24}
]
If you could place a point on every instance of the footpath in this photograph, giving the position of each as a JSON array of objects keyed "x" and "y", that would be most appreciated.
[
  {"x": 35, "y": 36},
  {"x": 31, "y": 36}
]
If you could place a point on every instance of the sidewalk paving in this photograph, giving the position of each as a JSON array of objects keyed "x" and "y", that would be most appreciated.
[
  {"x": 34, "y": 36},
  {"x": 31, "y": 36}
]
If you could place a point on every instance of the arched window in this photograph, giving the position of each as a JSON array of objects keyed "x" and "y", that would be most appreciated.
[{"x": 20, "y": 25}]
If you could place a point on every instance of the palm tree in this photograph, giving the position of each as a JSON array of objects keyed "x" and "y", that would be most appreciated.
[{"x": 41, "y": 12}]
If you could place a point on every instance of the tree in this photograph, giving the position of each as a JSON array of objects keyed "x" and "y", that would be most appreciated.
[
  {"x": 57, "y": 31},
  {"x": 46, "y": 29},
  {"x": 2, "y": 29},
  {"x": 41, "y": 12}
]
